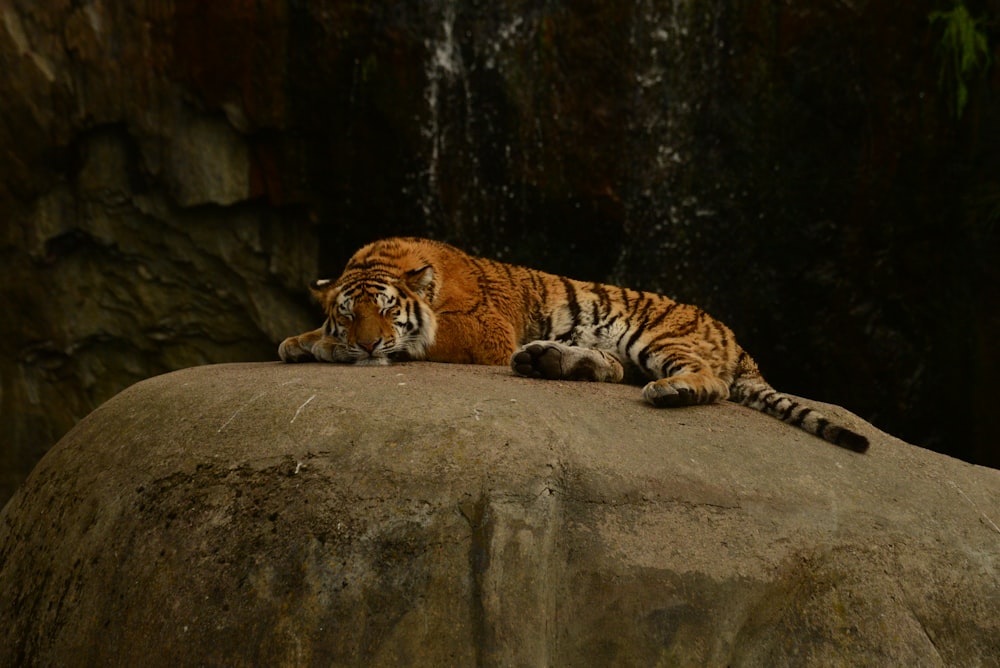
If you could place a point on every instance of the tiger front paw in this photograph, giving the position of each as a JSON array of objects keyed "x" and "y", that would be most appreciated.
[
  {"x": 557, "y": 361},
  {"x": 292, "y": 350},
  {"x": 331, "y": 350},
  {"x": 538, "y": 360}
]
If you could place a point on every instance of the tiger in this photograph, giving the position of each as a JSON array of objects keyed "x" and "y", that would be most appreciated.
[{"x": 408, "y": 298}]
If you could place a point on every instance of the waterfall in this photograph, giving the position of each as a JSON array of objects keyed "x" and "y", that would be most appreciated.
[
  {"x": 566, "y": 134},
  {"x": 443, "y": 68}
]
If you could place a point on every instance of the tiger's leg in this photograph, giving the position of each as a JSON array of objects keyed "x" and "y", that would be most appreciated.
[
  {"x": 465, "y": 339},
  {"x": 312, "y": 346},
  {"x": 692, "y": 383},
  {"x": 299, "y": 348},
  {"x": 558, "y": 361}
]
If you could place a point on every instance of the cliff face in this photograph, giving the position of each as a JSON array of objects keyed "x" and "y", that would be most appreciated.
[
  {"x": 142, "y": 231},
  {"x": 174, "y": 173},
  {"x": 272, "y": 514}
]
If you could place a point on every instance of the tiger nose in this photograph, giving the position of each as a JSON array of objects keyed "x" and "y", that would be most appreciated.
[{"x": 370, "y": 345}]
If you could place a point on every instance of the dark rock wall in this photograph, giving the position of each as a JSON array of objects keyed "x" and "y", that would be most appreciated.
[
  {"x": 151, "y": 217},
  {"x": 174, "y": 172}
]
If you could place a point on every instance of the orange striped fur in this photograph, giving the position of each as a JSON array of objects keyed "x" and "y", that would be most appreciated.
[{"x": 416, "y": 299}]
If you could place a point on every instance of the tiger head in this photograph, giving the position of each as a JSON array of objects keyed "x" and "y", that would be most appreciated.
[{"x": 377, "y": 319}]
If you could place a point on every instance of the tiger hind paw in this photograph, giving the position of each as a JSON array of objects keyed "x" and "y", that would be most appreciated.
[{"x": 685, "y": 391}]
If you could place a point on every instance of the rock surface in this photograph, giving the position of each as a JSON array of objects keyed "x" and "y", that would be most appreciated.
[{"x": 276, "y": 514}]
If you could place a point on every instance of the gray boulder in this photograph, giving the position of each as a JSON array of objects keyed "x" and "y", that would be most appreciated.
[{"x": 269, "y": 514}]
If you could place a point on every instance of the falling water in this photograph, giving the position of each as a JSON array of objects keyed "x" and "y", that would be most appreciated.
[
  {"x": 470, "y": 174},
  {"x": 571, "y": 131},
  {"x": 443, "y": 68}
]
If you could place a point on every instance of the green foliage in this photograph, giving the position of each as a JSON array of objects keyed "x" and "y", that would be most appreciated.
[{"x": 963, "y": 50}]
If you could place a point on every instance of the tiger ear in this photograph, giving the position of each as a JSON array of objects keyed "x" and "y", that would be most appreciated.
[
  {"x": 419, "y": 280},
  {"x": 321, "y": 288}
]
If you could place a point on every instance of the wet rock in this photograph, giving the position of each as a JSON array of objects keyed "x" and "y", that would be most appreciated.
[{"x": 452, "y": 515}]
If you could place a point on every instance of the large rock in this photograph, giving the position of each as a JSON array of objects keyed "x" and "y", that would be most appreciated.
[
  {"x": 172, "y": 174},
  {"x": 274, "y": 514}
]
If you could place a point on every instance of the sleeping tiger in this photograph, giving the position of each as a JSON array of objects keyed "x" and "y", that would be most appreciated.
[{"x": 416, "y": 299}]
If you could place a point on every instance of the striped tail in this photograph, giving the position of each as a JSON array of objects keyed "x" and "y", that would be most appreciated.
[{"x": 750, "y": 389}]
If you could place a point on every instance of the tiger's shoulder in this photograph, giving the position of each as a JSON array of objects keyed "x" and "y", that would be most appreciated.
[{"x": 459, "y": 279}]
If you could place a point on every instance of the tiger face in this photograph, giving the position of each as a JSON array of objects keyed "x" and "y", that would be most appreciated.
[{"x": 376, "y": 321}]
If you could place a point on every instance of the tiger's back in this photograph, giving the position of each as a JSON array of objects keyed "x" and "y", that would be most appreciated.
[{"x": 410, "y": 298}]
